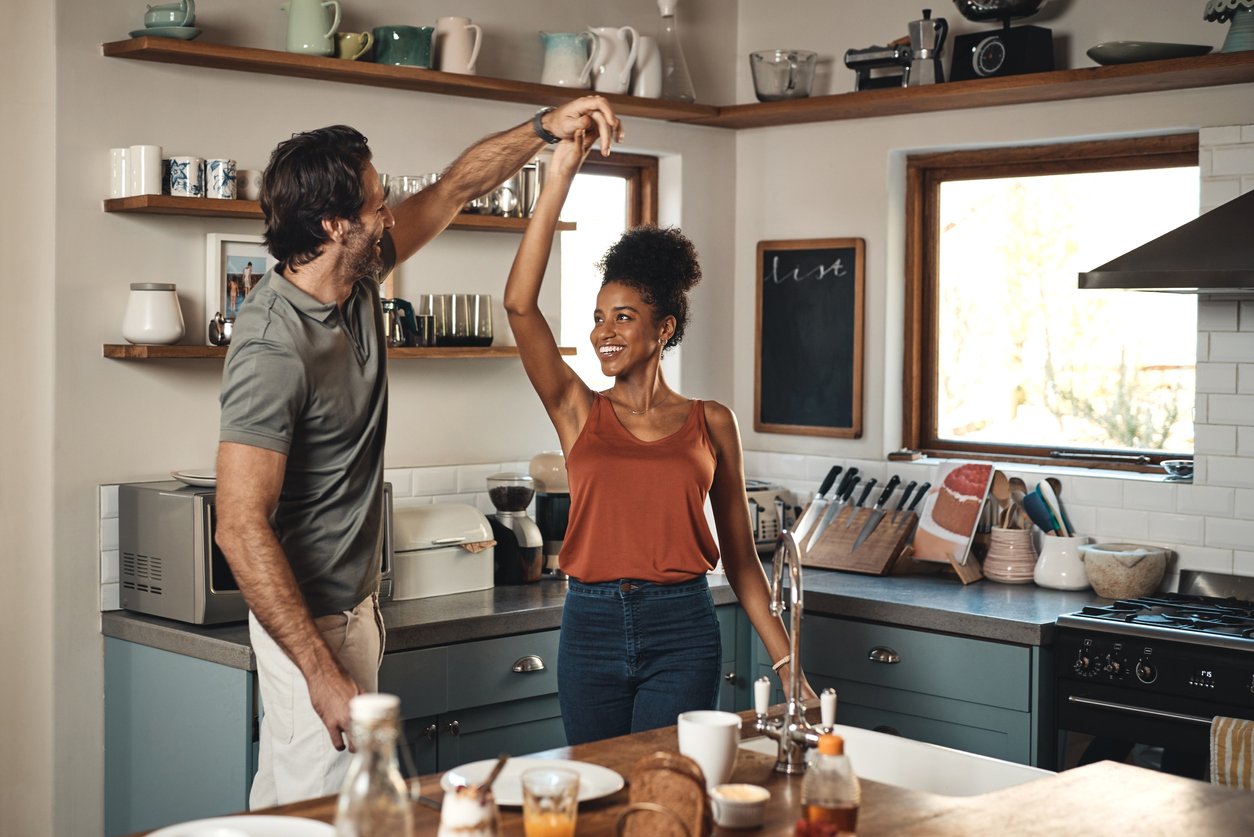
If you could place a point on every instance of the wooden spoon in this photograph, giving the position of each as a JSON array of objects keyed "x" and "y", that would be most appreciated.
[
  {"x": 1001, "y": 493},
  {"x": 1056, "y": 484},
  {"x": 1018, "y": 490}
]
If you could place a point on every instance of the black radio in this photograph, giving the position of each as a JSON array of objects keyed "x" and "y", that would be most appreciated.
[{"x": 1002, "y": 52}]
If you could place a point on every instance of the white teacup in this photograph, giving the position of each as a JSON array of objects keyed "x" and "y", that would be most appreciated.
[
  {"x": 739, "y": 806},
  {"x": 711, "y": 739}
]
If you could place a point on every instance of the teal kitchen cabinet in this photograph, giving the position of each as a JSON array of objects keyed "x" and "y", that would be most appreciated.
[
  {"x": 180, "y": 737},
  {"x": 970, "y": 694}
]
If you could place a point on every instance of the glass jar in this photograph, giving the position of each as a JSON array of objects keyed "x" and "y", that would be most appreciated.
[
  {"x": 153, "y": 315},
  {"x": 374, "y": 801}
]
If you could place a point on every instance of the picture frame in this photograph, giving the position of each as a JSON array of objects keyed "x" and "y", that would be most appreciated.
[
  {"x": 234, "y": 263},
  {"x": 808, "y": 337}
]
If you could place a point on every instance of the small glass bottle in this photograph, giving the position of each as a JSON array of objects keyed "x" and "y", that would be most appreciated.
[
  {"x": 374, "y": 801},
  {"x": 676, "y": 83},
  {"x": 830, "y": 792}
]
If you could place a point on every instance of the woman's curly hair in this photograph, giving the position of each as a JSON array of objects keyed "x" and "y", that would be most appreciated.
[{"x": 662, "y": 265}]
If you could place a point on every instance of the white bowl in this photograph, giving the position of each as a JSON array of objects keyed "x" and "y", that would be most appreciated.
[{"x": 739, "y": 806}]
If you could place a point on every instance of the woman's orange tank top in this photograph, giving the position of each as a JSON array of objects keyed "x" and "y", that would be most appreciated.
[{"x": 637, "y": 509}]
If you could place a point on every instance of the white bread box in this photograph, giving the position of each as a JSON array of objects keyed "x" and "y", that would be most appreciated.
[{"x": 429, "y": 558}]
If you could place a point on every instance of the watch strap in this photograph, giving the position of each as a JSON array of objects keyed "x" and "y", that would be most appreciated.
[{"x": 537, "y": 125}]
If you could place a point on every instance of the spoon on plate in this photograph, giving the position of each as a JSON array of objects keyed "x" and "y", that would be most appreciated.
[{"x": 486, "y": 784}]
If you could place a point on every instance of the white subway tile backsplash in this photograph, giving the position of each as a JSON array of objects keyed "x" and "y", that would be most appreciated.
[
  {"x": 402, "y": 481},
  {"x": 474, "y": 478},
  {"x": 1235, "y": 159},
  {"x": 429, "y": 481},
  {"x": 1233, "y": 471},
  {"x": 1245, "y": 378},
  {"x": 110, "y": 568},
  {"x": 1204, "y": 559},
  {"x": 1231, "y": 409},
  {"x": 1247, "y": 133},
  {"x": 1083, "y": 518},
  {"x": 1243, "y": 562},
  {"x": 108, "y": 501},
  {"x": 109, "y": 533},
  {"x": 110, "y": 596},
  {"x": 1177, "y": 529},
  {"x": 1204, "y": 500},
  {"x": 1209, "y": 135},
  {"x": 1247, "y": 315},
  {"x": 1218, "y": 378},
  {"x": 1243, "y": 504},
  {"x": 1245, "y": 441},
  {"x": 1226, "y": 532},
  {"x": 1095, "y": 491},
  {"x": 1215, "y": 315},
  {"x": 1215, "y": 438},
  {"x": 1203, "y": 345},
  {"x": 1151, "y": 496},
  {"x": 1231, "y": 346},
  {"x": 1122, "y": 523},
  {"x": 789, "y": 465}
]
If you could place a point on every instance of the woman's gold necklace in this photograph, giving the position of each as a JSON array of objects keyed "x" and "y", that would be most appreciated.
[{"x": 650, "y": 407}]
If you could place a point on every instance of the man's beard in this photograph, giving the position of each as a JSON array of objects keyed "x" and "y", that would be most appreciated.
[{"x": 363, "y": 260}]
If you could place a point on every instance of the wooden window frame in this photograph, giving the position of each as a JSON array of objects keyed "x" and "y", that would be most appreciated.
[
  {"x": 924, "y": 174},
  {"x": 640, "y": 172}
]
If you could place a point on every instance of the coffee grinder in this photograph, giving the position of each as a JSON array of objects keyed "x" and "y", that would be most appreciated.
[
  {"x": 519, "y": 554},
  {"x": 548, "y": 469}
]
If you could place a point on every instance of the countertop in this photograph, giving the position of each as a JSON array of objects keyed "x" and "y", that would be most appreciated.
[
  {"x": 1017, "y": 614},
  {"x": 1091, "y": 800}
]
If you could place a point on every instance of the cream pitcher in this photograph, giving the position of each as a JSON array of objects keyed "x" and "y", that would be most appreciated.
[
  {"x": 457, "y": 43},
  {"x": 613, "y": 56},
  {"x": 307, "y": 30},
  {"x": 566, "y": 59}
]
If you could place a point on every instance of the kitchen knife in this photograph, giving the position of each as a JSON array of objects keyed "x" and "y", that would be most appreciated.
[
  {"x": 840, "y": 497},
  {"x": 877, "y": 513},
  {"x": 922, "y": 492},
  {"x": 901, "y": 504},
  {"x": 867, "y": 488},
  {"x": 820, "y": 501}
]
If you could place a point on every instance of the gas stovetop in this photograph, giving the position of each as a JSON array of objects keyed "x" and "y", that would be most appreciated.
[{"x": 1203, "y": 620}]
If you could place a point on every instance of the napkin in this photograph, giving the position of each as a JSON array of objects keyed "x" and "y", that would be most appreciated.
[{"x": 1232, "y": 752}]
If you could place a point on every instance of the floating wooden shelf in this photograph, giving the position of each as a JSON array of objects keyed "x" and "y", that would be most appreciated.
[
  {"x": 212, "y": 208},
  {"x": 1215, "y": 69},
  {"x": 127, "y": 351}
]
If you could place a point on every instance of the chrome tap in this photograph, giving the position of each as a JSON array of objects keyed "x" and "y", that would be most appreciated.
[{"x": 793, "y": 732}]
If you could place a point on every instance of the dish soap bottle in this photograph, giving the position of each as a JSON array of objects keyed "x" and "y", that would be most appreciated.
[
  {"x": 830, "y": 792},
  {"x": 676, "y": 83},
  {"x": 374, "y": 801}
]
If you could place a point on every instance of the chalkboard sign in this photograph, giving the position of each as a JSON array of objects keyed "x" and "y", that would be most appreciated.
[{"x": 808, "y": 378}]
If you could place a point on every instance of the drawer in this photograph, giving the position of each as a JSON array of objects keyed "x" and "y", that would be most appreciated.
[
  {"x": 482, "y": 673},
  {"x": 419, "y": 678},
  {"x": 972, "y": 670}
]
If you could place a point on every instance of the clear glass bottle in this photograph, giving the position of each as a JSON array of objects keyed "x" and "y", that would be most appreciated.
[
  {"x": 830, "y": 792},
  {"x": 676, "y": 83},
  {"x": 374, "y": 801}
]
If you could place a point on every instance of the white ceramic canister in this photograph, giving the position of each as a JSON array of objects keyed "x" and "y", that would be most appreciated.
[{"x": 153, "y": 315}]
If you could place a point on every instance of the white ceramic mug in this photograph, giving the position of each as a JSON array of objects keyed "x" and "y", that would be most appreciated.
[
  {"x": 647, "y": 77},
  {"x": 711, "y": 739},
  {"x": 457, "y": 42},
  {"x": 187, "y": 177},
  {"x": 220, "y": 178},
  {"x": 144, "y": 170},
  {"x": 613, "y": 56},
  {"x": 248, "y": 184}
]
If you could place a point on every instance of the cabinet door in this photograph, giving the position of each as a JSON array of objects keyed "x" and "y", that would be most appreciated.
[
  {"x": 421, "y": 736},
  {"x": 502, "y": 670},
  {"x": 419, "y": 678},
  {"x": 518, "y": 727}
]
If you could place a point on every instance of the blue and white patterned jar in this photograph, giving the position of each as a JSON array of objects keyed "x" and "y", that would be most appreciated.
[
  {"x": 187, "y": 177},
  {"x": 220, "y": 178}
]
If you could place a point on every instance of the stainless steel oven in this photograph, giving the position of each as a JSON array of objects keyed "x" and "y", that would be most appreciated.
[
  {"x": 1141, "y": 679},
  {"x": 170, "y": 565}
]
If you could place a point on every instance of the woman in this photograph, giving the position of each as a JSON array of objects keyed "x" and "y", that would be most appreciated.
[{"x": 639, "y": 641}]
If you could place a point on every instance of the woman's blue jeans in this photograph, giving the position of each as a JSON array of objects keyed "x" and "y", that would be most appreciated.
[{"x": 634, "y": 654}]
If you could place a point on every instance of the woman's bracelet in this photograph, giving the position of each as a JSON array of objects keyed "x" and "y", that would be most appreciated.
[{"x": 781, "y": 662}]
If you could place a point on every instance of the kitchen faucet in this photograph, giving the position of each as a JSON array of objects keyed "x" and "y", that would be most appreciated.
[{"x": 793, "y": 732}]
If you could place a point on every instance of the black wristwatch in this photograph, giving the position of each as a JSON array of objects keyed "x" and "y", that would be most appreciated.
[{"x": 537, "y": 125}]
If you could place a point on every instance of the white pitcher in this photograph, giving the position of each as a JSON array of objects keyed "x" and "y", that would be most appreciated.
[
  {"x": 566, "y": 59},
  {"x": 646, "y": 81},
  {"x": 457, "y": 43},
  {"x": 307, "y": 30},
  {"x": 613, "y": 56}
]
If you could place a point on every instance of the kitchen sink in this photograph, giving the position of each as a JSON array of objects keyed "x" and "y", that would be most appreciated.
[{"x": 893, "y": 760}]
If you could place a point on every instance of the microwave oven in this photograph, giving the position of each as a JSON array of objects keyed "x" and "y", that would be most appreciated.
[{"x": 170, "y": 565}]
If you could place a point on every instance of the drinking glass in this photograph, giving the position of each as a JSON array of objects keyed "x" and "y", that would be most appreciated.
[{"x": 550, "y": 802}]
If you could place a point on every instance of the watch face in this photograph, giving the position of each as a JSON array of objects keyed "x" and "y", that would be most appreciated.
[{"x": 989, "y": 56}]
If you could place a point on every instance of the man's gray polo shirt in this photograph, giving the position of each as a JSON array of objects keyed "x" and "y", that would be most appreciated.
[{"x": 309, "y": 380}]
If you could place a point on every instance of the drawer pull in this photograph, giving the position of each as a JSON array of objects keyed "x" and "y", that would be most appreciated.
[
  {"x": 430, "y": 732},
  {"x": 453, "y": 727},
  {"x": 730, "y": 677},
  {"x": 531, "y": 662},
  {"x": 880, "y": 654}
]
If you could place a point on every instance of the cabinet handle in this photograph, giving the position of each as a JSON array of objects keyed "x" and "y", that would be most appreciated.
[
  {"x": 730, "y": 677},
  {"x": 531, "y": 662},
  {"x": 430, "y": 732},
  {"x": 453, "y": 727},
  {"x": 880, "y": 654}
]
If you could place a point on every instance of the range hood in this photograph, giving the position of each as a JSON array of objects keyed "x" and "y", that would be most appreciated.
[{"x": 1212, "y": 254}]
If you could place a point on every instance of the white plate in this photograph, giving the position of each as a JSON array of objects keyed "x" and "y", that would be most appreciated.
[
  {"x": 199, "y": 477},
  {"x": 183, "y": 33},
  {"x": 595, "y": 781},
  {"x": 251, "y": 826}
]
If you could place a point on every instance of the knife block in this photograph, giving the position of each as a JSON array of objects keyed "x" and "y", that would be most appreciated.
[{"x": 874, "y": 556}]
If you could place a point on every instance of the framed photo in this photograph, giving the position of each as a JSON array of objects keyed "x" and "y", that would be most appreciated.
[
  {"x": 234, "y": 264},
  {"x": 808, "y": 373}
]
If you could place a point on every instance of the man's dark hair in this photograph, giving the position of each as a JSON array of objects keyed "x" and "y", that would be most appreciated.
[
  {"x": 315, "y": 175},
  {"x": 662, "y": 265}
]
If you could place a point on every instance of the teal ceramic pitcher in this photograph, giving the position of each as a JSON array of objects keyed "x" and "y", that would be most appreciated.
[
  {"x": 566, "y": 59},
  {"x": 307, "y": 29}
]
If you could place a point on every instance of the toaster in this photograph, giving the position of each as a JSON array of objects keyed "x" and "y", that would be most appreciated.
[{"x": 767, "y": 502}]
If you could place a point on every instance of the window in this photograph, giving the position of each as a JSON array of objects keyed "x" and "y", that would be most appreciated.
[
  {"x": 1006, "y": 357},
  {"x": 609, "y": 195}
]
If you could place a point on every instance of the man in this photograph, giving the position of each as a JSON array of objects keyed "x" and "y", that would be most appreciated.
[{"x": 304, "y": 413}]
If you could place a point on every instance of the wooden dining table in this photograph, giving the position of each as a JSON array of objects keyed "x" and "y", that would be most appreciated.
[{"x": 1097, "y": 799}]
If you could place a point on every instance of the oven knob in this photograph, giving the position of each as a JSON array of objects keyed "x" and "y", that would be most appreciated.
[
  {"x": 1145, "y": 672},
  {"x": 1084, "y": 664},
  {"x": 1116, "y": 667}
]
